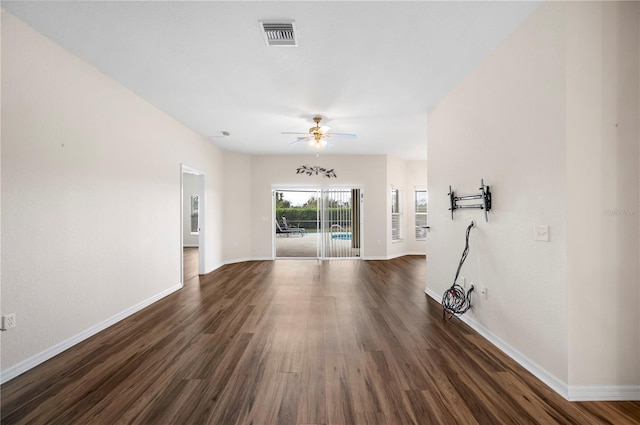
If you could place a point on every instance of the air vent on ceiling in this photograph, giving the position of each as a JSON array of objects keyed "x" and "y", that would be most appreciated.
[{"x": 281, "y": 33}]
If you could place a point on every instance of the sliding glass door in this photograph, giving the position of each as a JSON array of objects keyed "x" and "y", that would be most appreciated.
[
  {"x": 340, "y": 223},
  {"x": 296, "y": 223},
  {"x": 317, "y": 223}
]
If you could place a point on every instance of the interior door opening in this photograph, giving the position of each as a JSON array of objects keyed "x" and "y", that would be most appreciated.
[
  {"x": 192, "y": 220},
  {"x": 317, "y": 223}
]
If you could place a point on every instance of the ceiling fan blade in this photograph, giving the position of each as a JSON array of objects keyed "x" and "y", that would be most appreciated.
[
  {"x": 342, "y": 135},
  {"x": 300, "y": 139},
  {"x": 318, "y": 136},
  {"x": 223, "y": 135}
]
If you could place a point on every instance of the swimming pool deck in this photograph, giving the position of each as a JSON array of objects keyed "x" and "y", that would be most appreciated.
[{"x": 307, "y": 246}]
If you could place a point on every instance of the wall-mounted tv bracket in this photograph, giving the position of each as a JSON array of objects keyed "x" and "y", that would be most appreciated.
[{"x": 485, "y": 195}]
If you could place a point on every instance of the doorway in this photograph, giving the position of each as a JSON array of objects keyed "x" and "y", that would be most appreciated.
[
  {"x": 317, "y": 223},
  {"x": 192, "y": 220}
]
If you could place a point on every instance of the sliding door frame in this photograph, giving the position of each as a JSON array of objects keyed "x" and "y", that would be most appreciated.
[{"x": 320, "y": 190}]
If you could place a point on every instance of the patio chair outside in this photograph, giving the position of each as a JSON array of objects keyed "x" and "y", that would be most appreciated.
[{"x": 285, "y": 229}]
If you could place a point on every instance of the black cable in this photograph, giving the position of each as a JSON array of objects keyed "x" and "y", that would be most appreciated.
[{"x": 454, "y": 300}]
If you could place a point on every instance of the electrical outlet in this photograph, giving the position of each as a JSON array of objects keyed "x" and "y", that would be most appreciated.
[
  {"x": 484, "y": 292},
  {"x": 8, "y": 321}
]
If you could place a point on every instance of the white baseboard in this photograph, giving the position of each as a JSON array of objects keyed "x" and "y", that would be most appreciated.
[
  {"x": 236, "y": 260},
  {"x": 569, "y": 392},
  {"x": 241, "y": 260},
  {"x": 245, "y": 259},
  {"x": 384, "y": 257},
  {"x": 50, "y": 352},
  {"x": 549, "y": 379},
  {"x": 604, "y": 393},
  {"x": 391, "y": 257},
  {"x": 214, "y": 268}
]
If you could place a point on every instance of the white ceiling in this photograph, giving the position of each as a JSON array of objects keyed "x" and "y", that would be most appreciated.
[{"x": 371, "y": 68}]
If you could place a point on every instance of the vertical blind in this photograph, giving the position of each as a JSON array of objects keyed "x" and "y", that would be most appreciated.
[{"x": 341, "y": 223}]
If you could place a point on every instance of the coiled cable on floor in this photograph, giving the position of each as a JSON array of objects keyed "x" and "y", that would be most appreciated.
[{"x": 454, "y": 300}]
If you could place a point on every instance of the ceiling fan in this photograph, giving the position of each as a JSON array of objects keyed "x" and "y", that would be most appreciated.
[{"x": 319, "y": 136}]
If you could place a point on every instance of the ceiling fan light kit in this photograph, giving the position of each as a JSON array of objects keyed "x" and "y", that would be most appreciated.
[{"x": 318, "y": 136}]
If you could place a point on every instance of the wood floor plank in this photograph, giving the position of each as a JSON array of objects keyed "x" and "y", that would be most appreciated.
[
  {"x": 442, "y": 395},
  {"x": 289, "y": 395},
  {"x": 538, "y": 408},
  {"x": 236, "y": 402},
  {"x": 312, "y": 400},
  {"x": 340, "y": 409},
  {"x": 388, "y": 380},
  {"x": 365, "y": 395},
  {"x": 293, "y": 342}
]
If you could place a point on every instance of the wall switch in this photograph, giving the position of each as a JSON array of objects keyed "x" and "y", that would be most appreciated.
[
  {"x": 463, "y": 282},
  {"x": 541, "y": 233},
  {"x": 8, "y": 321}
]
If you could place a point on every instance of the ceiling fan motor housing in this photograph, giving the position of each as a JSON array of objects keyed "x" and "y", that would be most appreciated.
[
  {"x": 317, "y": 130},
  {"x": 320, "y": 134}
]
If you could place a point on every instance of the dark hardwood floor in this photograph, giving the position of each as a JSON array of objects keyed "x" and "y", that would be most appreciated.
[{"x": 294, "y": 342}]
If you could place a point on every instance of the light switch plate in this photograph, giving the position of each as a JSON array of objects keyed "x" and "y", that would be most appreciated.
[{"x": 541, "y": 233}]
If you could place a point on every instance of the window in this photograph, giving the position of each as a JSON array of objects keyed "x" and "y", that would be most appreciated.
[
  {"x": 421, "y": 214},
  {"x": 194, "y": 214},
  {"x": 396, "y": 215}
]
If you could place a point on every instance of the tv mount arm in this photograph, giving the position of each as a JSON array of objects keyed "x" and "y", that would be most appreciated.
[{"x": 485, "y": 195}]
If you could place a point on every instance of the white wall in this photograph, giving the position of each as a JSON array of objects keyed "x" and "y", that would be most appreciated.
[
  {"x": 602, "y": 175},
  {"x": 237, "y": 207},
  {"x": 90, "y": 198},
  {"x": 505, "y": 123},
  {"x": 190, "y": 187},
  {"x": 550, "y": 121}
]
